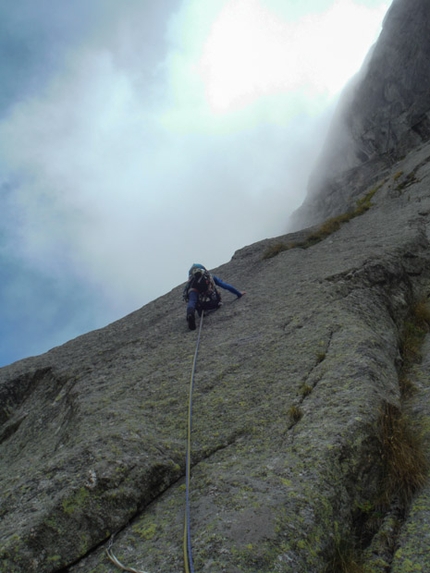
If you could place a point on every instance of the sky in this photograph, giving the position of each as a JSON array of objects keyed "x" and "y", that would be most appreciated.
[{"x": 141, "y": 136}]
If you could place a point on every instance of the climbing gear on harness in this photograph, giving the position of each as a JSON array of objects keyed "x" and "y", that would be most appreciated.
[{"x": 188, "y": 555}]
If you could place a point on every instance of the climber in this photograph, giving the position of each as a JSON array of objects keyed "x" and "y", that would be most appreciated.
[{"x": 201, "y": 293}]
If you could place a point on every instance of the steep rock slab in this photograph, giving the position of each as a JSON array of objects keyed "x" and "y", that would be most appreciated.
[{"x": 289, "y": 384}]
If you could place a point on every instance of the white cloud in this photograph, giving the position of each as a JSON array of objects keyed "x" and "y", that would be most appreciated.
[
  {"x": 252, "y": 52},
  {"x": 125, "y": 167}
]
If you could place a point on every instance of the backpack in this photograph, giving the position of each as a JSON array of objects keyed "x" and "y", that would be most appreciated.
[{"x": 201, "y": 280}]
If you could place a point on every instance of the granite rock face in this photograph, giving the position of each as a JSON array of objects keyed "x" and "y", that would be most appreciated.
[
  {"x": 306, "y": 392},
  {"x": 287, "y": 458},
  {"x": 382, "y": 115}
]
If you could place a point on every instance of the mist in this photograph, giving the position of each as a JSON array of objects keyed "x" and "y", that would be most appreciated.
[{"x": 126, "y": 155}]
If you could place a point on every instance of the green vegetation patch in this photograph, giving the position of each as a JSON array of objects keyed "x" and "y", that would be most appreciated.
[
  {"x": 327, "y": 228},
  {"x": 76, "y": 502},
  {"x": 408, "y": 180},
  {"x": 295, "y": 414},
  {"x": 402, "y": 453},
  {"x": 343, "y": 557}
]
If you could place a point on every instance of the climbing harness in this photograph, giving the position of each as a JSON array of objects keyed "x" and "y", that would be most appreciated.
[{"x": 188, "y": 554}]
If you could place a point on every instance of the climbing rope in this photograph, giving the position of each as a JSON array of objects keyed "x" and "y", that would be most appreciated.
[
  {"x": 117, "y": 562},
  {"x": 188, "y": 554}
]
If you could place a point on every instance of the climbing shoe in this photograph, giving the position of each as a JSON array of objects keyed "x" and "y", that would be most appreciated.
[{"x": 191, "y": 319}]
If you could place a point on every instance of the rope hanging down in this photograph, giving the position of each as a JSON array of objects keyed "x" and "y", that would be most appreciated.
[{"x": 188, "y": 554}]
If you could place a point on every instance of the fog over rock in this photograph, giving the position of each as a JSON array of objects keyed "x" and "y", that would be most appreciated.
[
  {"x": 311, "y": 411},
  {"x": 383, "y": 113}
]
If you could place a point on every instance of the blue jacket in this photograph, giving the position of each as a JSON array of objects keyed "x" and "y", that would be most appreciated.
[{"x": 226, "y": 286}]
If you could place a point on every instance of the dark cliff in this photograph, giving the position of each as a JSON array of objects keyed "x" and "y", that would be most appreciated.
[{"x": 382, "y": 115}]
